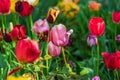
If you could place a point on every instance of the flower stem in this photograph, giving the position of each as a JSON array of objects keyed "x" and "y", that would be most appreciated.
[
  {"x": 27, "y": 24},
  {"x": 31, "y": 24},
  {"x": 3, "y": 26},
  {"x": 97, "y": 71},
  {"x": 117, "y": 75},
  {"x": 115, "y": 35},
  {"x": 64, "y": 56}
]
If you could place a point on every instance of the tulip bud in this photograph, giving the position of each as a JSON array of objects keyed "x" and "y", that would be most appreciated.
[
  {"x": 118, "y": 38},
  {"x": 96, "y": 78},
  {"x": 52, "y": 14},
  {"x": 92, "y": 40},
  {"x": 53, "y": 49},
  {"x": 97, "y": 26},
  {"x": 116, "y": 17},
  {"x": 94, "y": 6}
]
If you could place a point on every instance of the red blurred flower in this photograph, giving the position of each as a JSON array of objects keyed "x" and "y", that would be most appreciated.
[
  {"x": 112, "y": 61},
  {"x": 24, "y": 8},
  {"x": 18, "y": 32},
  {"x": 59, "y": 36},
  {"x": 116, "y": 17},
  {"x": 53, "y": 49},
  {"x": 4, "y": 6},
  {"x": 27, "y": 51},
  {"x": 97, "y": 26}
]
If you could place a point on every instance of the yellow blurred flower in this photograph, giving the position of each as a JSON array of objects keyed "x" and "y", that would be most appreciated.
[
  {"x": 16, "y": 78},
  {"x": 69, "y": 8},
  {"x": 46, "y": 57},
  {"x": 26, "y": 76},
  {"x": 32, "y": 2},
  {"x": 12, "y": 7},
  {"x": 94, "y": 6}
]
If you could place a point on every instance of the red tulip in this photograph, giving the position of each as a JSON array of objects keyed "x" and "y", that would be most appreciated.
[
  {"x": 116, "y": 17},
  {"x": 18, "y": 32},
  {"x": 4, "y": 6},
  {"x": 112, "y": 61},
  {"x": 53, "y": 49},
  {"x": 24, "y": 8},
  {"x": 27, "y": 51},
  {"x": 59, "y": 36},
  {"x": 97, "y": 26}
]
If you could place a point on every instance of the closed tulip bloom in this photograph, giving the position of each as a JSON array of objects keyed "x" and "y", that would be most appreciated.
[
  {"x": 18, "y": 32},
  {"x": 24, "y": 8},
  {"x": 94, "y": 6},
  {"x": 12, "y": 7},
  {"x": 59, "y": 36},
  {"x": 27, "y": 51},
  {"x": 52, "y": 14},
  {"x": 53, "y": 49},
  {"x": 118, "y": 38},
  {"x": 112, "y": 61},
  {"x": 4, "y": 6},
  {"x": 92, "y": 40},
  {"x": 96, "y": 78},
  {"x": 116, "y": 17},
  {"x": 40, "y": 26},
  {"x": 97, "y": 26}
]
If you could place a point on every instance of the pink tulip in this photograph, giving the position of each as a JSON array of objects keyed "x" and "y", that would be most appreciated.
[
  {"x": 59, "y": 36},
  {"x": 41, "y": 26},
  {"x": 53, "y": 49},
  {"x": 27, "y": 51}
]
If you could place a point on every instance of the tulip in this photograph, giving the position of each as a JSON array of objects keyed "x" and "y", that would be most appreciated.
[
  {"x": 12, "y": 7},
  {"x": 40, "y": 26},
  {"x": 53, "y": 49},
  {"x": 112, "y": 61},
  {"x": 116, "y": 17},
  {"x": 24, "y": 8},
  {"x": 18, "y": 32},
  {"x": 92, "y": 40},
  {"x": 59, "y": 36},
  {"x": 52, "y": 14},
  {"x": 4, "y": 6},
  {"x": 94, "y": 6},
  {"x": 118, "y": 38},
  {"x": 27, "y": 51},
  {"x": 96, "y": 78},
  {"x": 97, "y": 26},
  {"x": 69, "y": 8}
]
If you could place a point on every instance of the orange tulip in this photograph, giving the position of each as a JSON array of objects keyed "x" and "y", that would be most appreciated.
[{"x": 94, "y": 6}]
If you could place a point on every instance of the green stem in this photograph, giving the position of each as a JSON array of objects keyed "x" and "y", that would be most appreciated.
[
  {"x": 27, "y": 24},
  {"x": 92, "y": 59},
  {"x": 117, "y": 75},
  {"x": 3, "y": 26},
  {"x": 47, "y": 69},
  {"x": 97, "y": 71},
  {"x": 115, "y": 35},
  {"x": 31, "y": 24},
  {"x": 64, "y": 56}
]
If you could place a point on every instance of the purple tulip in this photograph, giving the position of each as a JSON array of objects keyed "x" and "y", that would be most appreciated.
[
  {"x": 96, "y": 78},
  {"x": 118, "y": 38},
  {"x": 92, "y": 40}
]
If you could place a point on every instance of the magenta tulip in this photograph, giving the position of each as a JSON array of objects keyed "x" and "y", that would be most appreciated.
[
  {"x": 53, "y": 49},
  {"x": 59, "y": 36}
]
